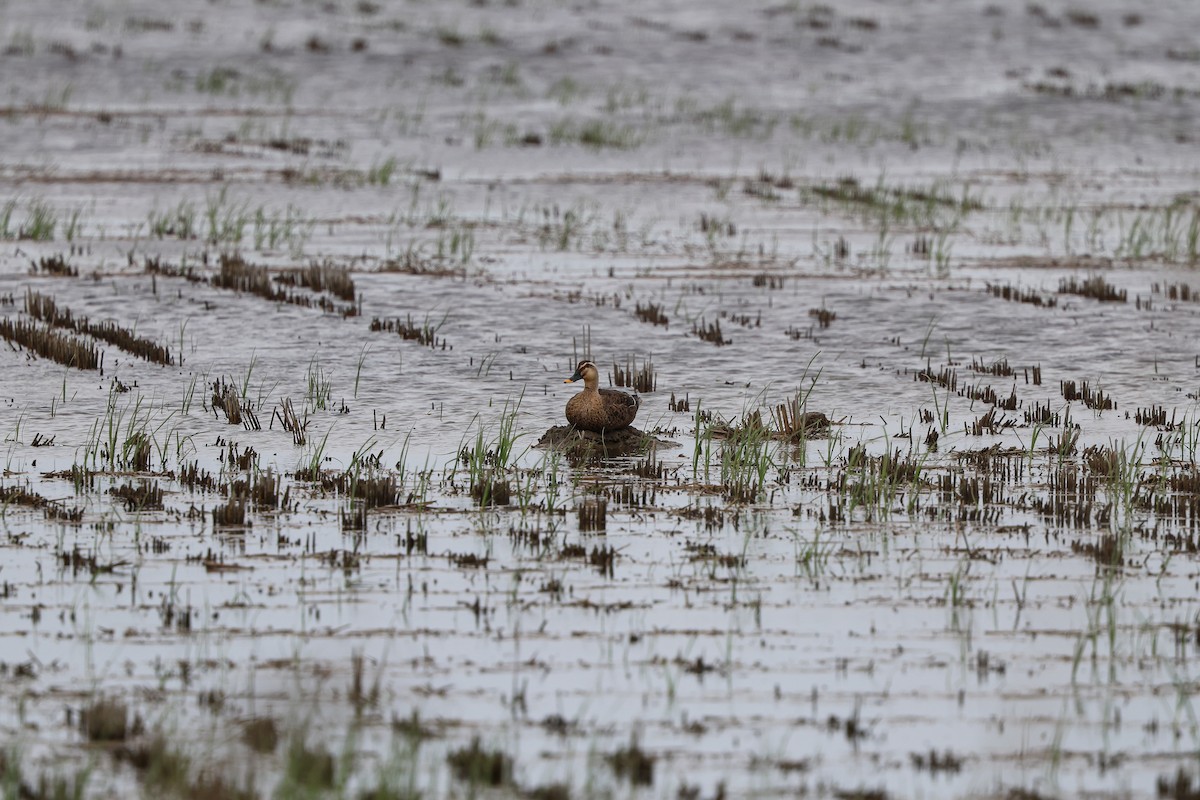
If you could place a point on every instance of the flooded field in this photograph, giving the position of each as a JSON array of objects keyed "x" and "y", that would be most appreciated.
[{"x": 289, "y": 291}]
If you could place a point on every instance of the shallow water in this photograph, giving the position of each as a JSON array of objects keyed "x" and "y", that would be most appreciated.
[{"x": 522, "y": 177}]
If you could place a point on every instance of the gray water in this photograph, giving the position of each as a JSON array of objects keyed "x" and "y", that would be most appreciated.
[{"x": 522, "y": 176}]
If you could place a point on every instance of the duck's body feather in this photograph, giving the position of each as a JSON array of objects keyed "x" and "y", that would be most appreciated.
[{"x": 599, "y": 410}]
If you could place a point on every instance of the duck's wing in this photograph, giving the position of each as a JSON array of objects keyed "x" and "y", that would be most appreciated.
[
  {"x": 619, "y": 407},
  {"x": 622, "y": 399}
]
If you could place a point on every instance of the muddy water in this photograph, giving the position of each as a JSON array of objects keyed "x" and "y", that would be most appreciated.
[{"x": 522, "y": 178}]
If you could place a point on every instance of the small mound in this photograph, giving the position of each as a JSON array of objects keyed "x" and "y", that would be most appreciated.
[
  {"x": 624, "y": 442},
  {"x": 809, "y": 425}
]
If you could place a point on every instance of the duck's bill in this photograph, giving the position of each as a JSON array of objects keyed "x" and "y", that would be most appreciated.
[{"x": 573, "y": 378}]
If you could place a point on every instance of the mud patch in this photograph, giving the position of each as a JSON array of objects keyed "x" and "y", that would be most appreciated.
[{"x": 614, "y": 444}]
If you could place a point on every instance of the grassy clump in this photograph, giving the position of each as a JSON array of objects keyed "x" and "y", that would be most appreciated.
[
  {"x": 307, "y": 769},
  {"x": 108, "y": 720},
  {"x": 479, "y": 767},
  {"x": 66, "y": 350},
  {"x": 164, "y": 770},
  {"x": 261, "y": 734},
  {"x": 632, "y": 763},
  {"x": 45, "y": 309},
  {"x": 595, "y": 134}
]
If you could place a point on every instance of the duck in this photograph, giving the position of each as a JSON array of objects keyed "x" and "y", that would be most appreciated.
[{"x": 599, "y": 410}]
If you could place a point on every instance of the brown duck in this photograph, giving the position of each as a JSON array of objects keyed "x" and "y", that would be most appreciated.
[{"x": 599, "y": 410}]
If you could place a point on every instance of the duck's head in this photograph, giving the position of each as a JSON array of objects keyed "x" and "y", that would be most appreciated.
[{"x": 585, "y": 371}]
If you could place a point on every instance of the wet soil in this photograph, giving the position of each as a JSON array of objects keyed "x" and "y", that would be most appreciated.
[{"x": 612, "y": 444}]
